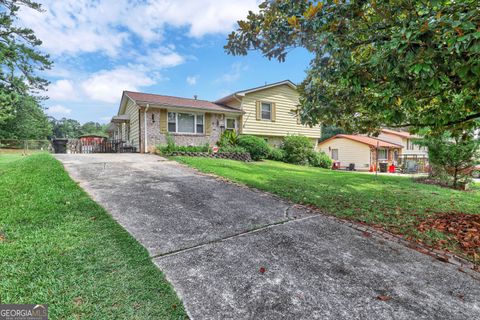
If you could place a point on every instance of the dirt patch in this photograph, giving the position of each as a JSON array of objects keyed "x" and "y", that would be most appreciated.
[{"x": 460, "y": 228}]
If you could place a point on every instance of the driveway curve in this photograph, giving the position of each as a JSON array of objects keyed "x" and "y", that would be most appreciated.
[{"x": 236, "y": 253}]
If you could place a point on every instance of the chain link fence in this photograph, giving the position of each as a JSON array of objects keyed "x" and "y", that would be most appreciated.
[{"x": 12, "y": 146}]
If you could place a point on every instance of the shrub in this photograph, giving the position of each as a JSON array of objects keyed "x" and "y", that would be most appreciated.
[
  {"x": 204, "y": 148},
  {"x": 297, "y": 149},
  {"x": 171, "y": 147},
  {"x": 320, "y": 160},
  {"x": 228, "y": 138},
  {"x": 232, "y": 149},
  {"x": 451, "y": 155},
  {"x": 257, "y": 147},
  {"x": 276, "y": 154}
]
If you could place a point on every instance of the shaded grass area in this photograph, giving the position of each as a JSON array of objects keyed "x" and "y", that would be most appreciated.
[
  {"x": 397, "y": 204},
  {"x": 57, "y": 246},
  {"x": 7, "y": 158}
]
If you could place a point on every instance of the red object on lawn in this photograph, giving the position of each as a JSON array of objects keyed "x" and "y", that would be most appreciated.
[{"x": 391, "y": 169}]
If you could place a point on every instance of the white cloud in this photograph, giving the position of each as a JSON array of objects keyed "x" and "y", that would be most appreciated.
[
  {"x": 62, "y": 90},
  {"x": 58, "y": 109},
  {"x": 161, "y": 57},
  {"x": 192, "y": 80},
  {"x": 107, "y": 85},
  {"x": 234, "y": 73},
  {"x": 76, "y": 26}
]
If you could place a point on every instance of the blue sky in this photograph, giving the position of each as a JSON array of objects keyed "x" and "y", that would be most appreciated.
[{"x": 172, "y": 47}]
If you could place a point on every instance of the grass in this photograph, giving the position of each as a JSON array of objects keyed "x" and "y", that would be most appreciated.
[
  {"x": 397, "y": 204},
  {"x": 7, "y": 158},
  {"x": 59, "y": 247}
]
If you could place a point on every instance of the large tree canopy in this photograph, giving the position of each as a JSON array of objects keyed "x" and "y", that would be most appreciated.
[
  {"x": 19, "y": 58},
  {"x": 385, "y": 62},
  {"x": 28, "y": 122}
]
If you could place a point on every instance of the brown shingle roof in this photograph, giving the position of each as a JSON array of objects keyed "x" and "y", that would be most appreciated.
[
  {"x": 402, "y": 134},
  {"x": 365, "y": 140},
  {"x": 178, "y": 102}
]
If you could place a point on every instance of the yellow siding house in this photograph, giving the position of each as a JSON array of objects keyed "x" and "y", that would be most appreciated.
[{"x": 269, "y": 111}]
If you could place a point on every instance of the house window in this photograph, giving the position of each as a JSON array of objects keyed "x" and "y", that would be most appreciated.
[
  {"x": 185, "y": 122},
  {"x": 334, "y": 154},
  {"x": 230, "y": 124},
  {"x": 172, "y": 122},
  {"x": 266, "y": 111},
  {"x": 199, "y": 123},
  {"x": 382, "y": 154}
]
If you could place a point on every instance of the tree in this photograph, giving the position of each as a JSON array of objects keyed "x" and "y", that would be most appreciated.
[
  {"x": 330, "y": 131},
  {"x": 453, "y": 154},
  {"x": 93, "y": 128},
  {"x": 19, "y": 58},
  {"x": 376, "y": 63},
  {"x": 28, "y": 122},
  {"x": 66, "y": 128}
]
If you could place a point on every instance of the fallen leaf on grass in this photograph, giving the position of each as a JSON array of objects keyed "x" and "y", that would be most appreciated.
[
  {"x": 460, "y": 229},
  {"x": 384, "y": 298},
  {"x": 443, "y": 259},
  {"x": 78, "y": 301}
]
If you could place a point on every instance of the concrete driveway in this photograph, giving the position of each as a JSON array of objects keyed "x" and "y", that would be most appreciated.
[{"x": 234, "y": 253}]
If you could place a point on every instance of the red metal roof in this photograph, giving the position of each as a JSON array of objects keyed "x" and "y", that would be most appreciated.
[
  {"x": 365, "y": 140},
  {"x": 178, "y": 102}
]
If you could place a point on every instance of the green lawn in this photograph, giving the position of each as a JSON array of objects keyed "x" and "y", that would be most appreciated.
[
  {"x": 397, "y": 204},
  {"x": 59, "y": 247}
]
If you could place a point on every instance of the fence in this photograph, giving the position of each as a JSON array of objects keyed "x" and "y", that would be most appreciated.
[
  {"x": 98, "y": 146},
  {"x": 73, "y": 146},
  {"x": 24, "y": 146}
]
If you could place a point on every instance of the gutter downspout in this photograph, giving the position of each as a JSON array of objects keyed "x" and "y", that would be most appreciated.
[{"x": 145, "y": 123}]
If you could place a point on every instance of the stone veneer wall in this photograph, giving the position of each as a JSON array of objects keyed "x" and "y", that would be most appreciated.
[{"x": 155, "y": 137}]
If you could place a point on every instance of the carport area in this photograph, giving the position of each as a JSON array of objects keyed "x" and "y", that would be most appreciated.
[{"x": 236, "y": 253}]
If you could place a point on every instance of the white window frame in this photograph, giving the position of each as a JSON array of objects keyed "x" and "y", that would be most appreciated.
[
  {"x": 234, "y": 124},
  {"x": 195, "y": 114},
  {"x": 261, "y": 110},
  {"x": 386, "y": 154}
]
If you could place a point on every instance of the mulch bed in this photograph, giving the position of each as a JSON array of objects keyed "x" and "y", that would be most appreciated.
[
  {"x": 439, "y": 183},
  {"x": 460, "y": 228}
]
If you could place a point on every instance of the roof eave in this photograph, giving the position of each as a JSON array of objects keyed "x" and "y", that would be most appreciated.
[{"x": 162, "y": 105}]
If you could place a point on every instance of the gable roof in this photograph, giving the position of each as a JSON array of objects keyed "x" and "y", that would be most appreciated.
[
  {"x": 267, "y": 86},
  {"x": 170, "y": 101},
  {"x": 372, "y": 142},
  {"x": 402, "y": 134}
]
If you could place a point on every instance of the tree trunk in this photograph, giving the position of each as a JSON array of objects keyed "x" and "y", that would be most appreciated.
[{"x": 455, "y": 177}]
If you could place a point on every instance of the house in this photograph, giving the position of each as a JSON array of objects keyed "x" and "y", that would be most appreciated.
[
  {"x": 410, "y": 150},
  {"x": 270, "y": 111},
  {"x": 360, "y": 150}
]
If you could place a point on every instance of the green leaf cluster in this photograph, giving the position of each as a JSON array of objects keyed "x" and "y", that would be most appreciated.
[{"x": 376, "y": 63}]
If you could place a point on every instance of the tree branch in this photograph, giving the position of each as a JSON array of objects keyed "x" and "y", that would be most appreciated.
[{"x": 448, "y": 124}]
